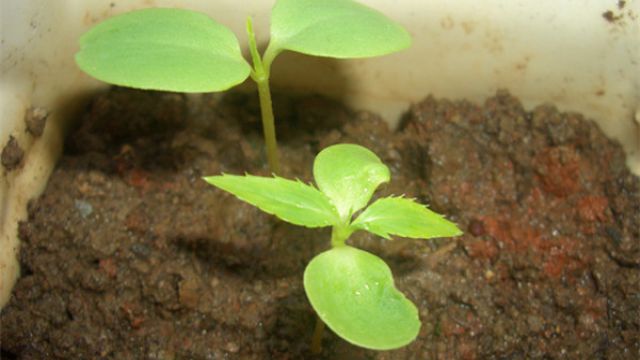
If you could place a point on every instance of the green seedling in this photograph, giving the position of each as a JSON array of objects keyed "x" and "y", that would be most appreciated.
[
  {"x": 351, "y": 290},
  {"x": 186, "y": 51}
]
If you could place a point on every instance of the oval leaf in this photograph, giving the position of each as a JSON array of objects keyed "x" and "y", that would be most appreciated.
[
  {"x": 349, "y": 174},
  {"x": 291, "y": 201},
  {"x": 163, "y": 49},
  {"x": 404, "y": 217},
  {"x": 334, "y": 28},
  {"x": 353, "y": 293}
]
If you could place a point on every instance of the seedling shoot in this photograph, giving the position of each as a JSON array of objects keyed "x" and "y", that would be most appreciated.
[
  {"x": 351, "y": 290},
  {"x": 187, "y": 51}
]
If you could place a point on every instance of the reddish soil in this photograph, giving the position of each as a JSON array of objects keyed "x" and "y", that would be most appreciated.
[{"x": 128, "y": 254}]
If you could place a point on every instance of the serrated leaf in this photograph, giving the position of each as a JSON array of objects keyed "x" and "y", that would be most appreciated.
[
  {"x": 353, "y": 293},
  {"x": 404, "y": 217},
  {"x": 335, "y": 28},
  {"x": 291, "y": 201},
  {"x": 163, "y": 49},
  {"x": 349, "y": 174}
]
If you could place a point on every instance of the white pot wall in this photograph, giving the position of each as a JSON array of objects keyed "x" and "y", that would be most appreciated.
[{"x": 564, "y": 52}]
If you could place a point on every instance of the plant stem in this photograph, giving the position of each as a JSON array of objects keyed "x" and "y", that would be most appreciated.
[
  {"x": 268, "y": 126},
  {"x": 316, "y": 340},
  {"x": 340, "y": 234},
  {"x": 260, "y": 74}
]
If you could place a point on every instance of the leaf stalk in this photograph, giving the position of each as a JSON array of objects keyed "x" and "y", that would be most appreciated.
[{"x": 260, "y": 74}]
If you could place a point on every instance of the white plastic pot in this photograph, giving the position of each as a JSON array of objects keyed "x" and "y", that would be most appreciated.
[{"x": 582, "y": 55}]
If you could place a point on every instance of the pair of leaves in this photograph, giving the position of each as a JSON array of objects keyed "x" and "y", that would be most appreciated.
[
  {"x": 351, "y": 290},
  {"x": 347, "y": 175},
  {"x": 186, "y": 51}
]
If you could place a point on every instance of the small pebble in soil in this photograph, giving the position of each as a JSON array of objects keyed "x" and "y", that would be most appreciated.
[
  {"x": 476, "y": 227},
  {"x": 614, "y": 234},
  {"x": 84, "y": 208},
  {"x": 141, "y": 250},
  {"x": 232, "y": 347},
  {"x": 12, "y": 154},
  {"x": 489, "y": 274}
]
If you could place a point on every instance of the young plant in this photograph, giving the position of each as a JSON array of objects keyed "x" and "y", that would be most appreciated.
[
  {"x": 351, "y": 290},
  {"x": 186, "y": 51}
]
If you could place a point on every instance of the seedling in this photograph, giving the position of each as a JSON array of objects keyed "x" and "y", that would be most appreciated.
[
  {"x": 351, "y": 290},
  {"x": 186, "y": 51}
]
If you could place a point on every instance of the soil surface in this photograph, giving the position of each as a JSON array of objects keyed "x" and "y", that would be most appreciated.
[{"x": 130, "y": 255}]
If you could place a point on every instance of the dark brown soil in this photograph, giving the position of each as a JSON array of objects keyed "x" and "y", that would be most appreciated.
[
  {"x": 130, "y": 255},
  {"x": 12, "y": 154}
]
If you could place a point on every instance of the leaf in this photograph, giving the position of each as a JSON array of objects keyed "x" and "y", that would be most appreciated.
[
  {"x": 353, "y": 293},
  {"x": 291, "y": 201},
  {"x": 404, "y": 217},
  {"x": 163, "y": 49},
  {"x": 349, "y": 174},
  {"x": 334, "y": 28}
]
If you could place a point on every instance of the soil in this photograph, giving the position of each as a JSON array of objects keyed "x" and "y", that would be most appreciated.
[
  {"x": 12, "y": 154},
  {"x": 128, "y": 254},
  {"x": 36, "y": 119}
]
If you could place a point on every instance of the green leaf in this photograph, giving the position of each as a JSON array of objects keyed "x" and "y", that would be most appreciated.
[
  {"x": 163, "y": 49},
  {"x": 334, "y": 28},
  {"x": 291, "y": 201},
  {"x": 404, "y": 217},
  {"x": 353, "y": 293},
  {"x": 349, "y": 174}
]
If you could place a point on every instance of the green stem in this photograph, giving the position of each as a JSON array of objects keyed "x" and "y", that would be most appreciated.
[
  {"x": 340, "y": 234},
  {"x": 260, "y": 74},
  {"x": 268, "y": 126},
  {"x": 316, "y": 340}
]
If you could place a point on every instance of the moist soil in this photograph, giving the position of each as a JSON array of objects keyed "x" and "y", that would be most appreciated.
[{"x": 129, "y": 254}]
